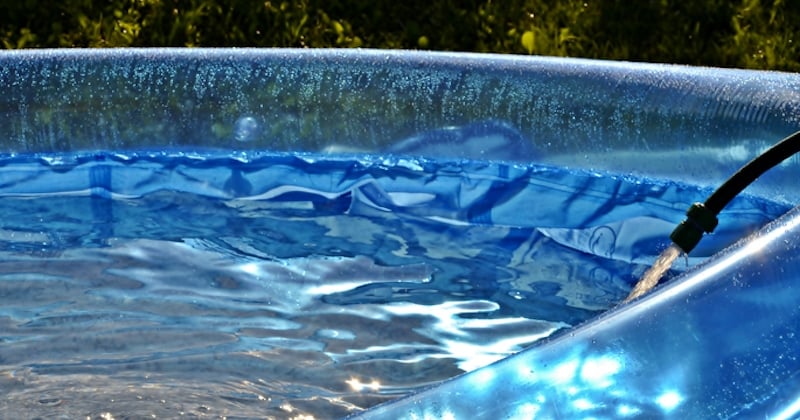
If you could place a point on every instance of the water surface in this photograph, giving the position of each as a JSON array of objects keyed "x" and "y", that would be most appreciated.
[{"x": 280, "y": 286}]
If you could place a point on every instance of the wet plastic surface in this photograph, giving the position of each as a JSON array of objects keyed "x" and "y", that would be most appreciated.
[{"x": 718, "y": 342}]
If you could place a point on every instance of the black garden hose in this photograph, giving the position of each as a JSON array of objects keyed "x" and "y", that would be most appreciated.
[{"x": 702, "y": 217}]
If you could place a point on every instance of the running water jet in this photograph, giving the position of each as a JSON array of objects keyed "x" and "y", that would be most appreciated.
[
  {"x": 653, "y": 274},
  {"x": 702, "y": 217}
]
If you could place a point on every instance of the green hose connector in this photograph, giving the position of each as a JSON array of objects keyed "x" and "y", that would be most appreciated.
[{"x": 699, "y": 219}]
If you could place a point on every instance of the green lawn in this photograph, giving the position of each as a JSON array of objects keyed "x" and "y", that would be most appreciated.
[{"x": 740, "y": 33}]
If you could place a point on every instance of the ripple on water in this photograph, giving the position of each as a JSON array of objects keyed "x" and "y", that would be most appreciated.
[{"x": 187, "y": 305}]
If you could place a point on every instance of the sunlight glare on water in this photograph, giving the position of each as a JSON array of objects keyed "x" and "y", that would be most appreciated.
[
  {"x": 166, "y": 278},
  {"x": 280, "y": 285}
]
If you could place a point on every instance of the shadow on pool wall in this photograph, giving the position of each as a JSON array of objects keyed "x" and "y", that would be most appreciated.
[{"x": 671, "y": 122}]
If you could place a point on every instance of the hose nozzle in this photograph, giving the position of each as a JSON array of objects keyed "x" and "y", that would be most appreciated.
[{"x": 699, "y": 219}]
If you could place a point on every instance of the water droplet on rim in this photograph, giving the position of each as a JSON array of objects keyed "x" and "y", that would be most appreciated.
[{"x": 246, "y": 129}]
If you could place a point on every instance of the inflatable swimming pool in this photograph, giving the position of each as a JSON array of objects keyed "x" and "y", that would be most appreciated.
[{"x": 177, "y": 222}]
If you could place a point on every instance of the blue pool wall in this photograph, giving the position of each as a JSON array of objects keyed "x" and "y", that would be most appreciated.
[
  {"x": 574, "y": 112},
  {"x": 721, "y": 336}
]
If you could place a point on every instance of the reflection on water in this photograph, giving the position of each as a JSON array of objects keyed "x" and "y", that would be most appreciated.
[
  {"x": 174, "y": 304},
  {"x": 259, "y": 284}
]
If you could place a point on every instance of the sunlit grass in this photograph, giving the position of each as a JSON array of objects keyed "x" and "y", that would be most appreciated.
[{"x": 757, "y": 34}]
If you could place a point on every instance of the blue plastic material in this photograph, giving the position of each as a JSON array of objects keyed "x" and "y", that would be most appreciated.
[
  {"x": 619, "y": 218},
  {"x": 720, "y": 342},
  {"x": 613, "y": 152}
]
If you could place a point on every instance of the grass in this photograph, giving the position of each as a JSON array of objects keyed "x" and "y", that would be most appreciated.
[{"x": 751, "y": 34}]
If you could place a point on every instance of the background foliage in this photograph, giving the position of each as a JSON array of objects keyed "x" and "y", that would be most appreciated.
[{"x": 758, "y": 34}]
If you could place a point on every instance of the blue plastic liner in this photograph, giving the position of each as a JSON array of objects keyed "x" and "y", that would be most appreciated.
[
  {"x": 613, "y": 152},
  {"x": 719, "y": 342},
  {"x": 624, "y": 218}
]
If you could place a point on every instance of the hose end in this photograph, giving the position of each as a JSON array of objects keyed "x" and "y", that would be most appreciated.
[{"x": 699, "y": 219}]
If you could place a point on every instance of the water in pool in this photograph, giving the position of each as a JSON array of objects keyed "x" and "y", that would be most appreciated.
[{"x": 210, "y": 283}]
